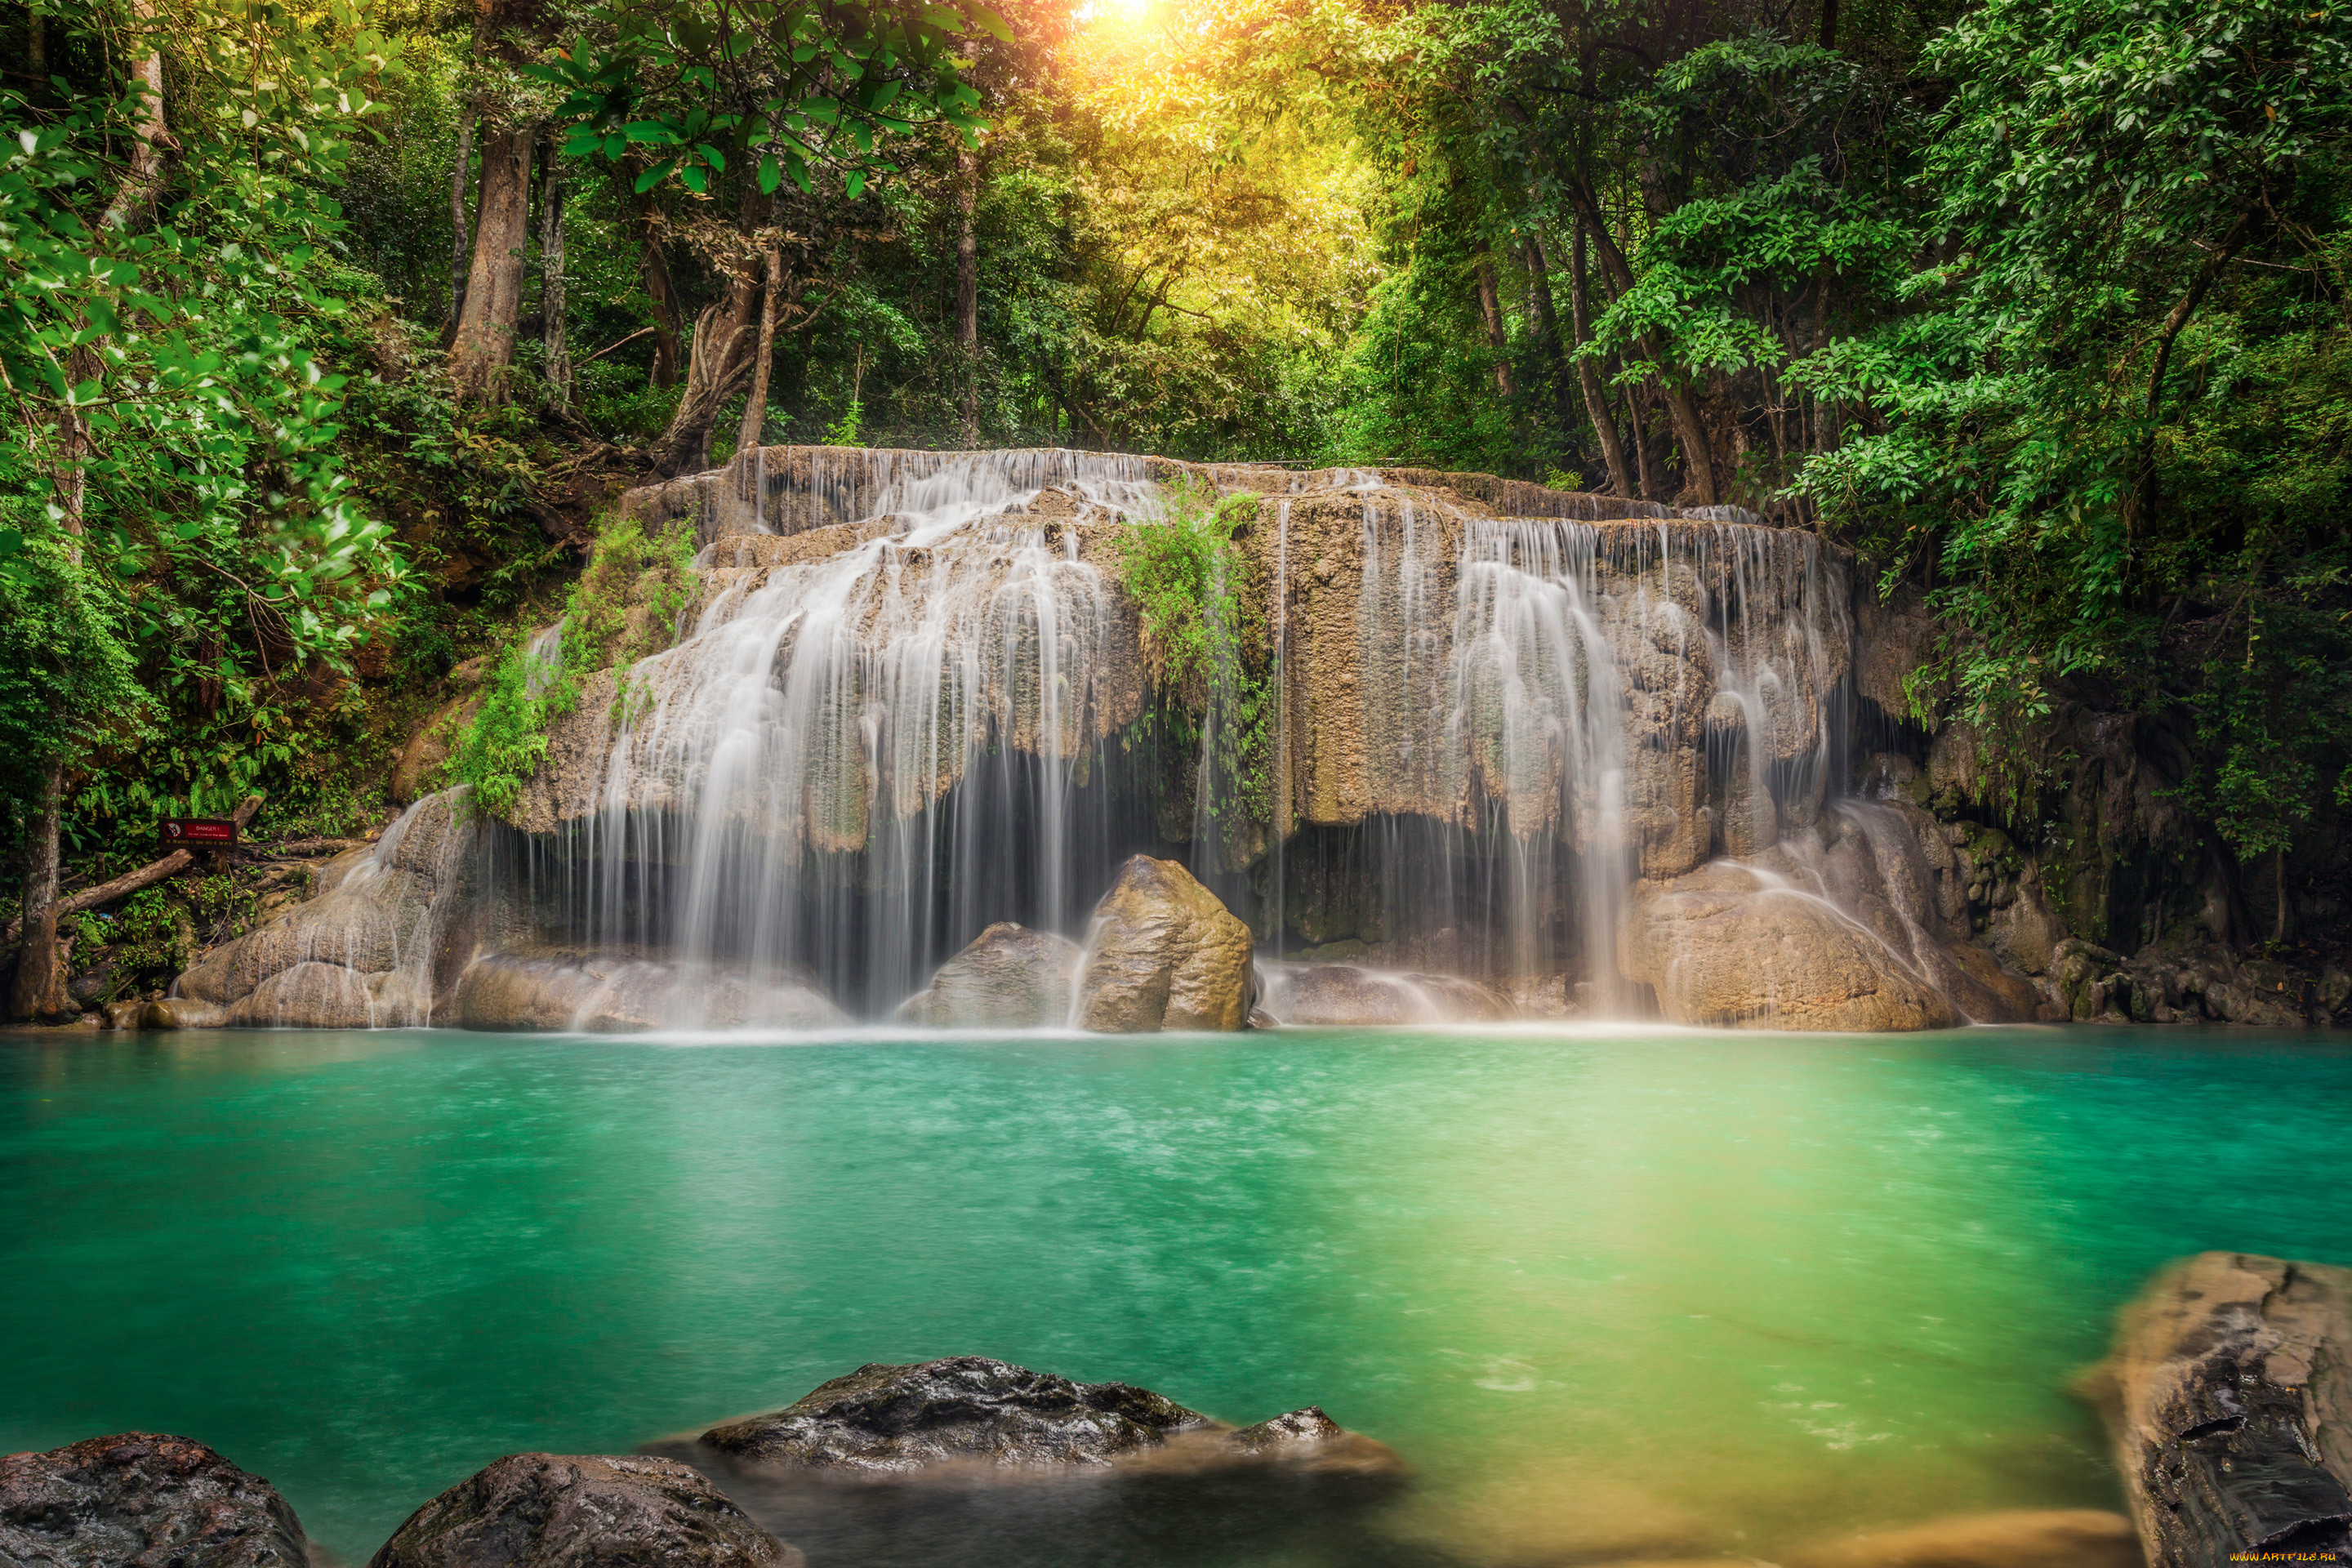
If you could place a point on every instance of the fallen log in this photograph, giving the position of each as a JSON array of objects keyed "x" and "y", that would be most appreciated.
[
  {"x": 2229, "y": 1396},
  {"x": 129, "y": 882}
]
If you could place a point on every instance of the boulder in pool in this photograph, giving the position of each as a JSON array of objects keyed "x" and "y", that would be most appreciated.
[
  {"x": 1727, "y": 947},
  {"x": 1347, "y": 994},
  {"x": 1164, "y": 953},
  {"x": 1010, "y": 977},
  {"x": 586, "y": 1510},
  {"x": 142, "y": 1500},
  {"x": 968, "y": 1413},
  {"x": 607, "y": 992},
  {"x": 2229, "y": 1396}
]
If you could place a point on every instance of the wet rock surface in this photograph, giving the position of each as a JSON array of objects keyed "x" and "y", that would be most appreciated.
[
  {"x": 363, "y": 953},
  {"x": 1010, "y": 977},
  {"x": 1343, "y": 993},
  {"x": 1724, "y": 947},
  {"x": 605, "y": 992},
  {"x": 889, "y": 1419},
  {"x": 969, "y": 1414},
  {"x": 1164, "y": 953},
  {"x": 556, "y": 1511},
  {"x": 142, "y": 1500},
  {"x": 2229, "y": 1398}
]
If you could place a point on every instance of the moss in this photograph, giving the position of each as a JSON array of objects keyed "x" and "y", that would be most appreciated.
[{"x": 624, "y": 606}]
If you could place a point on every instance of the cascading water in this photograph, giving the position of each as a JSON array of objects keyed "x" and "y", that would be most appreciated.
[{"x": 1528, "y": 749}]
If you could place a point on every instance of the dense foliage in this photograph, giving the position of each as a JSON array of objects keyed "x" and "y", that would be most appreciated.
[{"x": 326, "y": 331}]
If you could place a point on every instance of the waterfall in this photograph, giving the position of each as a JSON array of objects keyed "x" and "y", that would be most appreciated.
[{"x": 1527, "y": 749}]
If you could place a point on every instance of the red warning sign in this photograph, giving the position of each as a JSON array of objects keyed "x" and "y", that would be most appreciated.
[{"x": 183, "y": 832}]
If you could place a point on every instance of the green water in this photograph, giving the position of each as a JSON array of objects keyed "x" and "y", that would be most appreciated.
[{"x": 1632, "y": 1290}]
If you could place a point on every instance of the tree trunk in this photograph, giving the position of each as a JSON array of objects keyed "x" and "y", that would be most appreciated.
[
  {"x": 1588, "y": 375},
  {"x": 717, "y": 358},
  {"x": 551, "y": 280},
  {"x": 1690, "y": 432},
  {"x": 1490, "y": 303},
  {"x": 461, "y": 243},
  {"x": 967, "y": 295},
  {"x": 755, "y": 402},
  {"x": 1556, "y": 347},
  {"x": 135, "y": 196},
  {"x": 656, "y": 272},
  {"x": 484, "y": 345}
]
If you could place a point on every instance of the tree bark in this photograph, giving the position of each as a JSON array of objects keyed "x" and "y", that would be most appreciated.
[
  {"x": 1490, "y": 303},
  {"x": 717, "y": 358},
  {"x": 755, "y": 402},
  {"x": 966, "y": 291},
  {"x": 484, "y": 345},
  {"x": 135, "y": 196},
  {"x": 1555, "y": 346},
  {"x": 556, "y": 346},
  {"x": 655, "y": 269},
  {"x": 1588, "y": 375},
  {"x": 1690, "y": 432},
  {"x": 461, "y": 243}
]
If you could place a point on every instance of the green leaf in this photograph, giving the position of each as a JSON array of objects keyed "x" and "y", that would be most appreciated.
[
  {"x": 856, "y": 183},
  {"x": 772, "y": 175}
]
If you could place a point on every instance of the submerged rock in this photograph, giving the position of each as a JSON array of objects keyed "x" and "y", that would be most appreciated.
[
  {"x": 599, "y": 993},
  {"x": 1164, "y": 955},
  {"x": 970, "y": 1411},
  {"x": 556, "y": 1511},
  {"x": 1335, "y": 993},
  {"x": 2022, "y": 1538},
  {"x": 2228, "y": 1396},
  {"x": 142, "y": 1500},
  {"x": 897, "y": 1418},
  {"x": 1010, "y": 977}
]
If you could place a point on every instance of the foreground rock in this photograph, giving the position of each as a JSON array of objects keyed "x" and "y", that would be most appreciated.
[
  {"x": 141, "y": 1500},
  {"x": 1335, "y": 993},
  {"x": 601, "y": 993},
  {"x": 1010, "y": 977},
  {"x": 1165, "y": 954},
  {"x": 554, "y": 1511},
  {"x": 2023, "y": 1538},
  {"x": 2228, "y": 1396},
  {"x": 969, "y": 1411}
]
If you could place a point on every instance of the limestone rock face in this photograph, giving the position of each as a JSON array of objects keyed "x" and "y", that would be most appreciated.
[
  {"x": 141, "y": 1500},
  {"x": 553, "y": 1510},
  {"x": 1336, "y": 994},
  {"x": 2229, "y": 1396},
  {"x": 1725, "y": 947},
  {"x": 900, "y": 1418},
  {"x": 364, "y": 953},
  {"x": 1010, "y": 977},
  {"x": 1164, "y": 955},
  {"x": 601, "y": 992},
  {"x": 428, "y": 750}
]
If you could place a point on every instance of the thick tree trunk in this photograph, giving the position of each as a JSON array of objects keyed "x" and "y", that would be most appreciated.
[
  {"x": 38, "y": 994},
  {"x": 553, "y": 340},
  {"x": 1588, "y": 375},
  {"x": 484, "y": 345},
  {"x": 967, "y": 294},
  {"x": 668, "y": 353},
  {"x": 718, "y": 359},
  {"x": 755, "y": 402},
  {"x": 1490, "y": 303}
]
